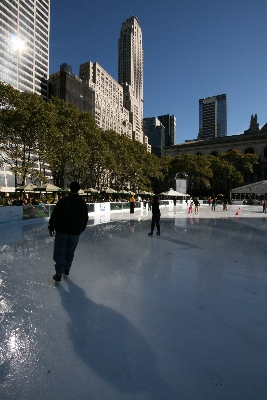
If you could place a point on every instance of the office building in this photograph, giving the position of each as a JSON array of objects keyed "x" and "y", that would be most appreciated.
[
  {"x": 212, "y": 117},
  {"x": 130, "y": 73},
  {"x": 252, "y": 141},
  {"x": 169, "y": 122},
  {"x": 155, "y": 132},
  {"x": 109, "y": 111},
  {"x": 68, "y": 87},
  {"x": 24, "y": 36}
]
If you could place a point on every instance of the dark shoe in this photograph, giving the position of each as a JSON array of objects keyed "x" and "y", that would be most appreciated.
[
  {"x": 57, "y": 278},
  {"x": 158, "y": 233},
  {"x": 66, "y": 271},
  {"x": 150, "y": 233}
]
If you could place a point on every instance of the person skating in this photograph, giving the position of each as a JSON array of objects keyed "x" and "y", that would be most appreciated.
[
  {"x": 197, "y": 204},
  {"x": 225, "y": 202},
  {"x": 69, "y": 220},
  {"x": 155, "y": 216},
  {"x": 190, "y": 207},
  {"x": 132, "y": 203}
]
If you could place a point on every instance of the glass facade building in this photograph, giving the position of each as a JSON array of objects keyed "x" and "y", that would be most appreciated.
[
  {"x": 155, "y": 132},
  {"x": 24, "y": 36},
  {"x": 213, "y": 117},
  {"x": 169, "y": 122}
]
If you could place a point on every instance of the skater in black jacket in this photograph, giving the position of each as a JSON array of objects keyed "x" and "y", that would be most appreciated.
[
  {"x": 69, "y": 219},
  {"x": 155, "y": 216}
]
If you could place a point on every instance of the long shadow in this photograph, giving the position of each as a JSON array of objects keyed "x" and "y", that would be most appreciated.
[
  {"x": 183, "y": 243},
  {"x": 111, "y": 346}
]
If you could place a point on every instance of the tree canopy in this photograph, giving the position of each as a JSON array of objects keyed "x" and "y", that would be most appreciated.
[{"x": 36, "y": 135}]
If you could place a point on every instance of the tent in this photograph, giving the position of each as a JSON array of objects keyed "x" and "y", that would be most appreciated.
[
  {"x": 108, "y": 190},
  {"x": 91, "y": 190},
  {"x": 253, "y": 189},
  {"x": 173, "y": 193},
  {"x": 126, "y": 192},
  {"x": 27, "y": 188},
  {"x": 48, "y": 187}
]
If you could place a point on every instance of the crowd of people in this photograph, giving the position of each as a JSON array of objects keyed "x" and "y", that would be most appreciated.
[{"x": 26, "y": 201}]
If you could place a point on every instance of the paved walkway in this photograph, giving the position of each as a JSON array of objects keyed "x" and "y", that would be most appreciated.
[{"x": 180, "y": 316}]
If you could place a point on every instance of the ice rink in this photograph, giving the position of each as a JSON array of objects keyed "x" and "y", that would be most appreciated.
[{"x": 182, "y": 316}]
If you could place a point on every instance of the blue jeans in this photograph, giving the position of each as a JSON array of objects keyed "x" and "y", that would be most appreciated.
[
  {"x": 155, "y": 220},
  {"x": 64, "y": 249}
]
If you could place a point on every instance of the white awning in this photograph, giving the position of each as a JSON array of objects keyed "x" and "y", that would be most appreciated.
[
  {"x": 253, "y": 188},
  {"x": 176, "y": 194}
]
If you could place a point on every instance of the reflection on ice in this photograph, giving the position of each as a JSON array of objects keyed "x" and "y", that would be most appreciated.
[{"x": 139, "y": 317}]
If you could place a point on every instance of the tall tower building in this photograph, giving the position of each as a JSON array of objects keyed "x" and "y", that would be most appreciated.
[
  {"x": 24, "y": 37},
  {"x": 155, "y": 132},
  {"x": 169, "y": 122},
  {"x": 130, "y": 73},
  {"x": 212, "y": 117}
]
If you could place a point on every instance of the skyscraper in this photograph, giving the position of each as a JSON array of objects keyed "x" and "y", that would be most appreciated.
[
  {"x": 68, "y": 87},
  {"x": 24, "y": 36},
  {"x": 155, "y": 132},
  {"x": 169, "y": 122},
  {"x": 109, "y": 111},
  {"x": 130, "y": 73},
  {"x": 212, "y": 117}
]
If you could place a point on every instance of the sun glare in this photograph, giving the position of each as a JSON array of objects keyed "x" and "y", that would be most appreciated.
[{"x": 18, "y": 44}]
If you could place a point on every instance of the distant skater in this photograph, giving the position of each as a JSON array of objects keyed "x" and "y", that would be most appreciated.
[
  {"x": 69, "y": 220},
  {"x": 197, "y": 204},
  {"x": 132, "y": 202},
  {"x": 213, "y": 204},
  {"x": 155, "y": 216},
  {"x": 190, "y": 207}
]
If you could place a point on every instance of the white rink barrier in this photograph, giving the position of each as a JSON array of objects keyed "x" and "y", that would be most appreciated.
[
  {"x": 19, "y": 213},
  {"x": 10, "y": 214}
]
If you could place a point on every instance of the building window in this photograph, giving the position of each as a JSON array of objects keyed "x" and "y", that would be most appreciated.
[{"x": 249, "y": 150}]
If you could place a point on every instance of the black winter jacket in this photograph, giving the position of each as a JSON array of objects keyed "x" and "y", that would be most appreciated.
[
  {"x": 69, "y": 216},
  {"x": 155, "y": 207}
]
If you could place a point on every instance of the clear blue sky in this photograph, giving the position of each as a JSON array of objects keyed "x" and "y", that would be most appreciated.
[{"x": 192, "y": 49}]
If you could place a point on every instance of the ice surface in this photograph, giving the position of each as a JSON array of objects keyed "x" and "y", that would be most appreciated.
[{"x": 180, "y": 316}]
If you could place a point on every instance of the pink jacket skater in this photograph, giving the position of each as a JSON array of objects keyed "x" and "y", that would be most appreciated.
[{"x": 190, "y": 207}]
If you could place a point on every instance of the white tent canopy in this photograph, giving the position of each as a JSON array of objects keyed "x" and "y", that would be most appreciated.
[
  {"x": 175, "y": 194},
  {"x": 257, "y": 188}
]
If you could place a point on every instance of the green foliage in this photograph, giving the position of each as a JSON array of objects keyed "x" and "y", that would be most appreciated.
[
  {"x": 211, "y": 172},
  {"x": 193, "y": 167},
  {"x": 222, "y": 170},
  {"x": 243, "y": 163},
  {"x": 23, "y": 121},
  {"x": 71, "y": 143}
]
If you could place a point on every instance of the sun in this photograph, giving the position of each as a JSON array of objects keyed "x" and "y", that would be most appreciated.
[{"x": 18, "y": 44}]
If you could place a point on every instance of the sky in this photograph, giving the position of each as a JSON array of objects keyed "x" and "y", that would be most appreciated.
[{"x": 192, "y": 49}]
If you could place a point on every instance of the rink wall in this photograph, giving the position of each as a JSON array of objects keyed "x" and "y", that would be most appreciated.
[
  {"x": 99, "y": 211},
  {"x": 20, "y": 213},
  {"x": 10, "y": 214}
]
